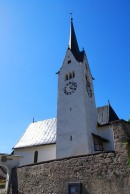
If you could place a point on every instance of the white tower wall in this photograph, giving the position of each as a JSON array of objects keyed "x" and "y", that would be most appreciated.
[{"x": 76, "y": 114}]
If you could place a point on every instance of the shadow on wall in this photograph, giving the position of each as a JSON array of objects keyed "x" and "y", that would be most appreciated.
[
  {"x": 13, "y": 187},
  {"x": 84, "y": 191}
]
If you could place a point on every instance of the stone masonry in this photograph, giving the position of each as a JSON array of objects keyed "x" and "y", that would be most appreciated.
[{"x": 102, "y": 173}]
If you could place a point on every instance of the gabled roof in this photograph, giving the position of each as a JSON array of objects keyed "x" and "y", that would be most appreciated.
[
  {"x": 106, "y": 114},
  {"x": 73, "y": 44},
  {"x": 39, "y": 133},
  {"x": 44, "y": 132}
]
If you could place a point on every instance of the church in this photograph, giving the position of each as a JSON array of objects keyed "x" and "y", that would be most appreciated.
[{"x": 80, "y": 127}]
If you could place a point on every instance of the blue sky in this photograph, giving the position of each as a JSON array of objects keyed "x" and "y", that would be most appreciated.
[{"x": 34, "y": 36}]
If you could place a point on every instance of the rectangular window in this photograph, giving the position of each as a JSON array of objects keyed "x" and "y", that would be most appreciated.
[
  {"x": 74, "y": 188},
  {"x": 98, "y": 144}
]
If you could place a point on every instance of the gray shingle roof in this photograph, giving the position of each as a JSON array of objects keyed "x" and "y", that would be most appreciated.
[
  {"x": 39, "y": 133},
  {"x": 106, "y": 114}
]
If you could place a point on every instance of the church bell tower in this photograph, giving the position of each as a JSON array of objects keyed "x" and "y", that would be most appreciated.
[{"x": 76, "y": 110}]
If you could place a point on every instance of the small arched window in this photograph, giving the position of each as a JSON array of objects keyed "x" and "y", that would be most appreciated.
[
  {"x": 66, "y": 77},
  {"x": 73, "y": 74},
  {"x": 86, "y": 78},
  {"x": 69, "y": 61},
  {"x": 70, "y": 76},
  {"x": 35, "y": 156}
]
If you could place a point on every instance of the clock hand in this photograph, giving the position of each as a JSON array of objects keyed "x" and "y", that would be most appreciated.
[{"x": 71, "y": 87}]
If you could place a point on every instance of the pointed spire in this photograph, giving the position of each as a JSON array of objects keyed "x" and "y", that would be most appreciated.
[{"x": 73, "y": 44}]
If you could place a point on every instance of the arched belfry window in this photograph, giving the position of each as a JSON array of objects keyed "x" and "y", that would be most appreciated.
[
  {"x": 66, "y": 77},
  {"x": 35, "y": 156},
  {"x": 73, "y": 74},
  {"x": 69, "y": 75}
]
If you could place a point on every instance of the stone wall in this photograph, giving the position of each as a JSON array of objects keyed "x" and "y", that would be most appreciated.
[{"x": 102, "y": 173}]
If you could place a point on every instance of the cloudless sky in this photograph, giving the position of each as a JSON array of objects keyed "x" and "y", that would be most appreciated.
[{"x": 34, "y": 37}]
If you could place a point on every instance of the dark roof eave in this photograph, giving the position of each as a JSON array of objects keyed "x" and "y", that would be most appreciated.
[
  {"x": 102, "y": 125},
  {"x": 30, "y": 146}
]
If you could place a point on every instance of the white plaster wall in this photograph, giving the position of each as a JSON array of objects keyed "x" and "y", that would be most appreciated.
[
  {"x": 90, "y": 106},
  {"x": 80, "y": 121},
  {"x": 107, "y": 133},
  {"x": 45, "y": 152},
  {"x": 11, "y": 162}
]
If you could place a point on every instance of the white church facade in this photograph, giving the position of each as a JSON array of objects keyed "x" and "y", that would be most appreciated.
[{"x": 80, "y": 128}]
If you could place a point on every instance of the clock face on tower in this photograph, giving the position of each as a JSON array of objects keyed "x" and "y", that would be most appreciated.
[
  {"x": 70, "y": 88},
  {"x": 89, "y": 90}
]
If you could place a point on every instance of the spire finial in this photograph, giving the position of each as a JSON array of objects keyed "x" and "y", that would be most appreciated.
[
  {"x": 71, "y": 17},
  {"x": 33, "y": 120}
]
